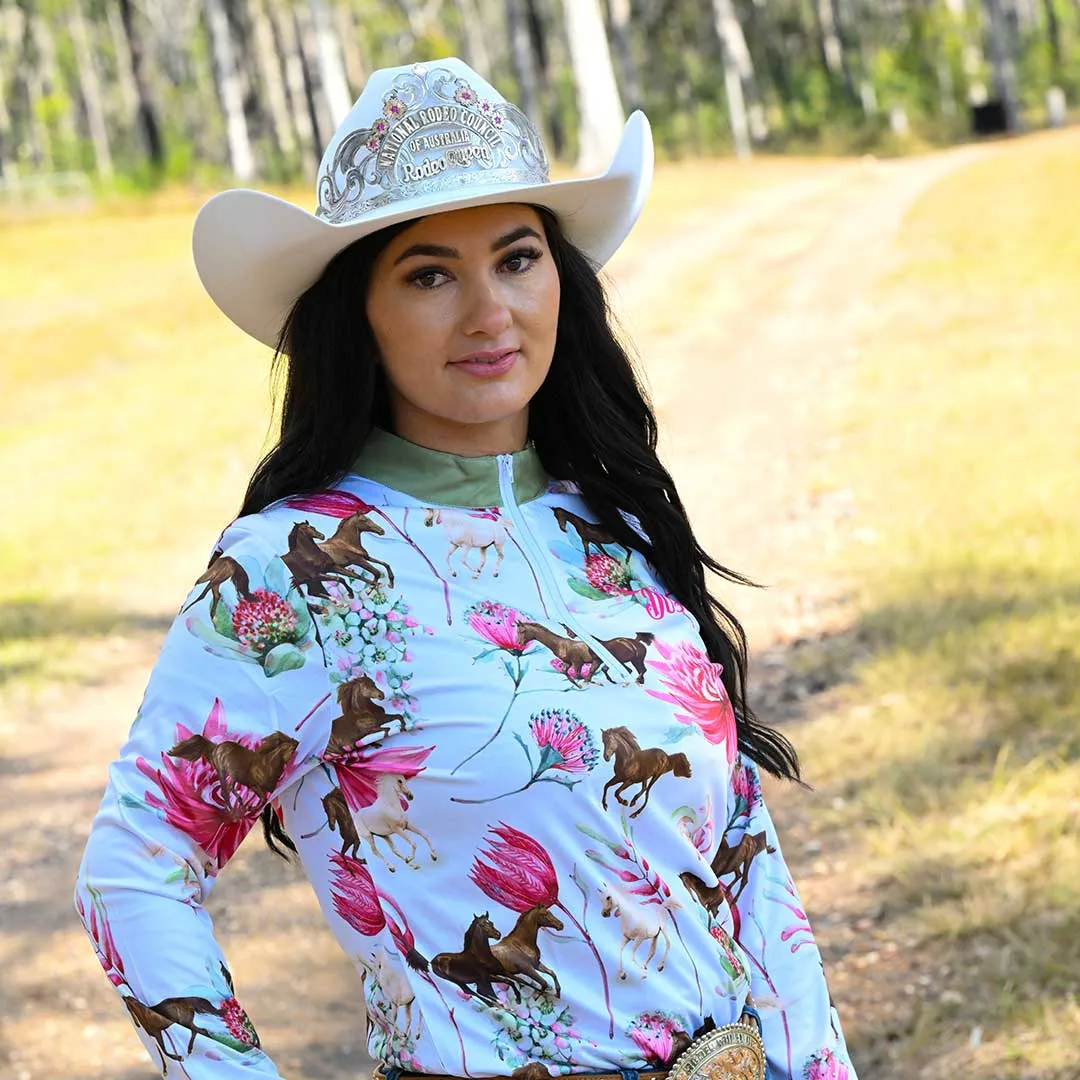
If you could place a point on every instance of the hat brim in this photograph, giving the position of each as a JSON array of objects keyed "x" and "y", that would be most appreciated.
[{"x": 256, "y": 254}]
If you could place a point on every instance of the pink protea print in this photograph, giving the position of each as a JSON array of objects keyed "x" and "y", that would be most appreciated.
[
  {"x": 521, "y": 875},
  {"x": 264, "y": 621},
  {"x": 355, "y": 897},
  {"x": 825, "y": 1065},
  {"x": 496, "y": 623},
  {"x": 394, "y": 107},
  {"x": 101, "y": 934},
  {"x": 192, "y": 798},
  {"x": 746, "y": 788},
  {"x": 607, "y": 574},
  {"x": 695, "y": 687},
  {"x": 358, "y": 771},
  {"x": 237, "y": 1022},
  {"x": 654, "y": 1034},
  {"x": 565, "y": 742}
]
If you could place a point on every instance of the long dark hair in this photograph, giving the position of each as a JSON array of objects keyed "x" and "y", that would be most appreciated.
[{"x": 590, "y": 421}]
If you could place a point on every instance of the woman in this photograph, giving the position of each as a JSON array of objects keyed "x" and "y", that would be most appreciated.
[{"x": 457, "y": 651}]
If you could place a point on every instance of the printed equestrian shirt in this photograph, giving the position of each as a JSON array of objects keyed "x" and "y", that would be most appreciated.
[{"x": 508, "y": 766}]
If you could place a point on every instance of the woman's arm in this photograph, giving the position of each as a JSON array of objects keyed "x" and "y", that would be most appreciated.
[
  {"x": 215, "y": 739},
  {"x": 801, "y": 1030}
]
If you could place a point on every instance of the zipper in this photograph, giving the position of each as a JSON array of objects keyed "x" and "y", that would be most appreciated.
[{"x": 535, "y": 554}]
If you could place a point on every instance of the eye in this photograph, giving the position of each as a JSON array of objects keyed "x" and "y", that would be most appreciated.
[
  {"x": 522, "y": 260},
  {"x": 428, "y": 277}
]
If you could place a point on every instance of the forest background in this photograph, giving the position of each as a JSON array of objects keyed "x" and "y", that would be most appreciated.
[
  {"x": 136, "y": 93},
  {"x": 865, "y": 315}
]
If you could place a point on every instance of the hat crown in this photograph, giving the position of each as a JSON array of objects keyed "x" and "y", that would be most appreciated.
[{"x": 425, "y": 130}]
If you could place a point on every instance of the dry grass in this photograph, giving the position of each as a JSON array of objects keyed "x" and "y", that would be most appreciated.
[{"x": 952, "y": 754}]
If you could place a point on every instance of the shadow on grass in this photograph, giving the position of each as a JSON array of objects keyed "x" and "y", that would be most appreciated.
[
  {"x": 30, "y": 630},
  {"x": 945, "y": 731}
]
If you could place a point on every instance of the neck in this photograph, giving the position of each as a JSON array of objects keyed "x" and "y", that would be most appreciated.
[{"x": 505, "y": 436}]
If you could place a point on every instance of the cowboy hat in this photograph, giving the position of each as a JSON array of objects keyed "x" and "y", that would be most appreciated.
[{"x": 421, "y": 139}]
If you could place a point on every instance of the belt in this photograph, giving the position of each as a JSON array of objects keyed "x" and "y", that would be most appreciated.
[{"x": 732, "y": 1052}]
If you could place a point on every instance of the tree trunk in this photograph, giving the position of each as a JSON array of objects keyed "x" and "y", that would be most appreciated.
[
  {"x": 288, "y": 48},
  {"x": 331, "y": 66},
  {"x": 1004, "y": 62},
  {"x": 11, "y": 25},
  {"x": 129, "y": 93},
  {"x": 349, "y": 35},
  {"x": 266, "y": 57},
  {"x": 476, "y": 50},
  {"x": 619, "y": 11},
  {"x": 1053, "y": 33},
  {"x": 91, "y": 90},
  {"x": 322, "y": 122},
  {"x": 744, "y": 102},
  {"x": 600, "y": 111},
  {"x": 523, "y": 62},
  {"x": 241, "y": 159},
  {"x": 832, "y": 45},
  {"x": 52, "y": 84},
  {"x": 146, "y": 116}
]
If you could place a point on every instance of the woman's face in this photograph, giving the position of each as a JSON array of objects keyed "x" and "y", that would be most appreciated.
[{"x": 464, "y": 306}]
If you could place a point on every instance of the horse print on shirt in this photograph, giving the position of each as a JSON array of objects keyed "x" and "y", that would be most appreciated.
[{"x": 313, "y": 560}]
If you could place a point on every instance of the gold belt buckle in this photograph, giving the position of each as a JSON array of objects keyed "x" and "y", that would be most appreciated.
[{"x": 732, "y": 1052}]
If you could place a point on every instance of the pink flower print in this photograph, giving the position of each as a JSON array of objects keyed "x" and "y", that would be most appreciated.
[
  {"x": 654, "y": 1035},
  {"x": 694, "y": 686},
  {"x": 747, "y": 789},
  {"x": 697, "y": 827},
  {"x": 237, "y": 1023},
  {"x": 497, "y": 120},
  {"x": 465, "y": 95},
  {"x": 485, "y": 106},
  {"x": 607, "y": 574},
  {"x": 380, "y": 127},
  {"x": 825, "y": 1065},
  {"x": 358, "y": 770},
  {"x": 520, "y": 875},
  {"x": 372, "y": 143},
  {"x": 565, "y": 742},
  {"x": 393, "y": 107},
  {"x": 101, "y": 934},
  {"x": 264, "y": 621},
  {"x": 191, "y": 795},
  {"x": 496, "y": 623},
  {"x": 355, "y": 897}
]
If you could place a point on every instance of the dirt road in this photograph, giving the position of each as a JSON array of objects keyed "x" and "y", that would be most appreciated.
[{"x": 748, "y": 317}]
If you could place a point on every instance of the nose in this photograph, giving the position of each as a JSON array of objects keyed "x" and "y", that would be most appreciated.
[{"x": 487, "y": 313}]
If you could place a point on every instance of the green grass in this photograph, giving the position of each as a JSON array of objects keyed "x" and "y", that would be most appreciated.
[{"x": 953, "y": 751}]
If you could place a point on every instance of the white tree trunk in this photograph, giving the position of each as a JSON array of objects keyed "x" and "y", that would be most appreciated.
[
  {"x": 331, "y": 66},
  {"x": 308, "y": 51},
  {"x": 476, "y": 50},
  {"x": 831, "y": 46},
  {"x": 241, "y": 158},
  {"x": 266, "y": 57},
  {"x": 523, "y": 62},
  {"x": 349, "y": 35},
  {"x": 293, "y": 64},
  {"x": 739, "y": 82},
  {"x": 91, "y": 90},
  {"x": 129, "y": 92},
  {"x": 600, "y": 110},
  {"x": 1003, "y": 57},
  {"x": 11, "y": 29},
  {"x": 52, "y": 83},
  {"x": 620, "y": 29}
]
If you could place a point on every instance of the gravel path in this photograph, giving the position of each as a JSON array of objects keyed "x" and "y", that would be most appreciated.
[{"x": 749, "y": 351}]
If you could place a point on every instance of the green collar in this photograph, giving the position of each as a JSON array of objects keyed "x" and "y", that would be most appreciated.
[{"x": 446, "y": 479}]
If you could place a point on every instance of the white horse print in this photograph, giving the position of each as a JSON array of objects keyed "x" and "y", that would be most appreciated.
[
  {"x": 395, "y": 988},
  {"x": 385, "y": 819},
  {"x": 469, "y": 532},
  {"x": 639, "y": 923}
]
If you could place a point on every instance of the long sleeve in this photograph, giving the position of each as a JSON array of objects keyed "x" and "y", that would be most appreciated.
[
  {"x": 800, "y": 1027},
  {"x": 230, "y": 718}
]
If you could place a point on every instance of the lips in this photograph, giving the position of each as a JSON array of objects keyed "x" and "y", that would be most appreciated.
[{"x": 487, "y": 356}]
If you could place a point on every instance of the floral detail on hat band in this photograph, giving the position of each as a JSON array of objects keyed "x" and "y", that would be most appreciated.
[{"x": 434, "y": 134}]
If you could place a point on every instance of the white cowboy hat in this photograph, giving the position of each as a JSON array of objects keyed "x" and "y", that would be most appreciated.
[{"x": 420, "y": 140}]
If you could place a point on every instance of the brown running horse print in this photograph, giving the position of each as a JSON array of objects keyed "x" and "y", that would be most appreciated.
[
  {"x": 361, "y": 716},
  {"x": 636, "y": 766},
  {"x": 312, "y": 564},
  {"x": 519, "y": 955},
  {"x": 154, "y": 1019},
  {"x": 588, "y": 532},
  {"x": 222, "y": 568},
  {"x": 339, "y": 818},
  {"x": 476, "y": 963},
  {"x": 258, "y": 770},
  {"x": 728, "y": 860}
]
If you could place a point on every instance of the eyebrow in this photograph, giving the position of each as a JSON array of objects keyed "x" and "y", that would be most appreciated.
[{"x": 441, "y": 252}]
